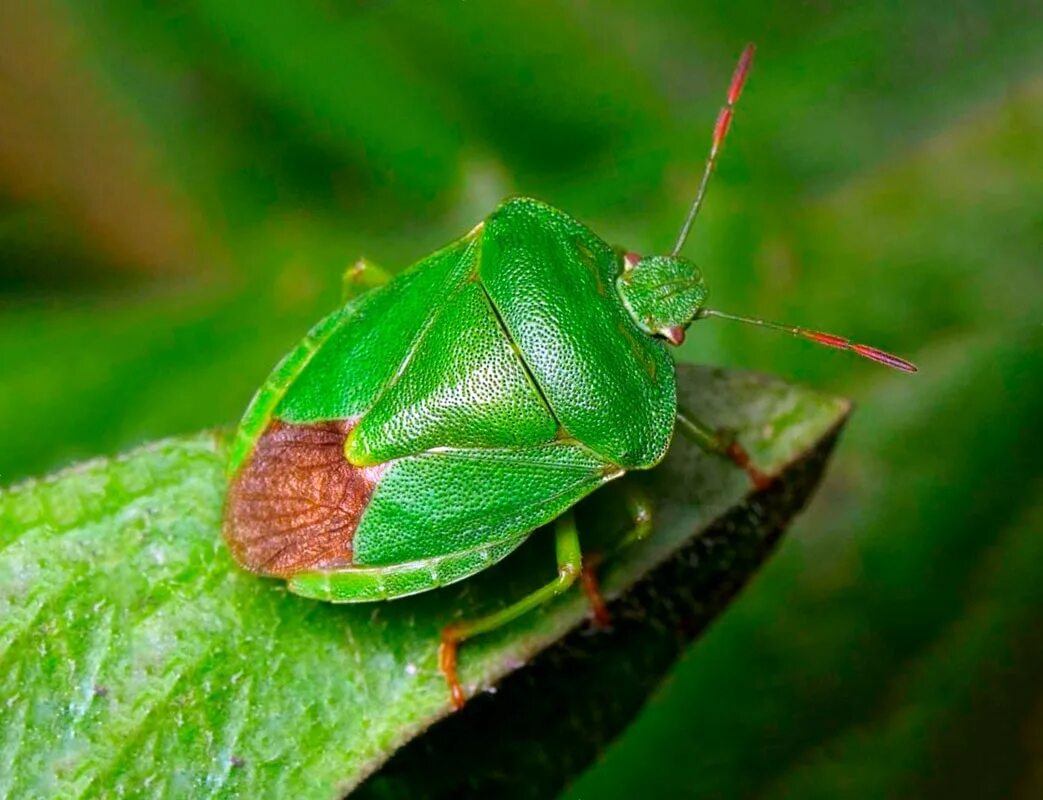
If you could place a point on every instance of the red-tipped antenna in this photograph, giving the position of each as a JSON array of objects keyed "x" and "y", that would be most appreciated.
[
  {"x": 828, "y": 339},
  {"x": 720, "y": 130}
]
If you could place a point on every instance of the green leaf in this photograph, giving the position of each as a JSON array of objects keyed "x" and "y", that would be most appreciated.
[{"x": 139, "y": 660}]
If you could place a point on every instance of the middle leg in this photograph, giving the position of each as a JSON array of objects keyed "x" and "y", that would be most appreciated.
[{"x": 639, "y": 508}]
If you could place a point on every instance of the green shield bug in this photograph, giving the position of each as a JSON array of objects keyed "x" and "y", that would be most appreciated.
[{"x": 421, "y": 432}]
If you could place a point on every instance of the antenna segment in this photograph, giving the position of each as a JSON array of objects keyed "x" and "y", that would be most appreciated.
[
  {"x": 720, "y": 130},
  {"x": 828, "y": 339}
]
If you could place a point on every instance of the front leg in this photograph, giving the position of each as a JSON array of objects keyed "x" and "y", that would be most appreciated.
[{"x": 722, "y": 443}]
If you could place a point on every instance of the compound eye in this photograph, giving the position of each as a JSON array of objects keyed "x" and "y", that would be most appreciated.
[{"x": 674, "y": 334}]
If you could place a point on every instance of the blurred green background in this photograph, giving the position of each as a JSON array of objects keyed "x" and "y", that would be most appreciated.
[{"x": 181, "y": 187}]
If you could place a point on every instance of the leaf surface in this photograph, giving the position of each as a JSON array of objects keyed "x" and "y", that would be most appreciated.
[{"x": 139, "y": 660}]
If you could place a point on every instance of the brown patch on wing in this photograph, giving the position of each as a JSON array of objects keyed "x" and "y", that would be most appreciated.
[{"x": 296, "y": 502}]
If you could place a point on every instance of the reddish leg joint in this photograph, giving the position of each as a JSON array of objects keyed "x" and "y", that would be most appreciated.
[
  {"x": 447, "y": 664},
  {"x": 591, "y": 588},
  {"x": 737, "y": 453}
]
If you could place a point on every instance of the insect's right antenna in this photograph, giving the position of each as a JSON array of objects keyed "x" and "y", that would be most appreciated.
[
  {"x": 828, "y": 339},
  {"x": 720, "y": 130}
]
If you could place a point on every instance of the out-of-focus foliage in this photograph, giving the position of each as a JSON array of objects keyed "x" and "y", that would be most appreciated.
[{"x": 181, "y": 185}]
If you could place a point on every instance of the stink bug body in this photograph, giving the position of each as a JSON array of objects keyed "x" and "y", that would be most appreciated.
[{"x": 421, "y": 432}]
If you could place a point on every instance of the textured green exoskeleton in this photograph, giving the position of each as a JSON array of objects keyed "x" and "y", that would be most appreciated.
[
  {"x": 481, "y": 411},
  {"x": 421, "y": 432}
]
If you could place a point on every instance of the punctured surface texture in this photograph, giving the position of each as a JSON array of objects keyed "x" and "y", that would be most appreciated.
[
  {"x": 552, "y": 281},
  {"x": 499, "y": 381}
]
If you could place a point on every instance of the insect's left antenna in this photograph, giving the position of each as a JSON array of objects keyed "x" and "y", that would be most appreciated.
[{"x": 720, "y": 130}]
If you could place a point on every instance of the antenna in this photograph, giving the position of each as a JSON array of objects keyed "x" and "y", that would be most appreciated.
[
  {"x": 720, "y": 130},
  {"x": 828, "y": 339}
]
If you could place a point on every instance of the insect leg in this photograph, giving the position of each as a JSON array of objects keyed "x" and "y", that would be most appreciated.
[
  {"x": 588, "y": 579},
  {"x": 639, "y": 507},
  {"x": 722, "y": 443},
  {"x": 570, "y": 564},
  {"x": 360, "y": 277}
]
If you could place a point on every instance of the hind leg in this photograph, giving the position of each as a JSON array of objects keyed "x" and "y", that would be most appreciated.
[{"x": 570, "y": 565}]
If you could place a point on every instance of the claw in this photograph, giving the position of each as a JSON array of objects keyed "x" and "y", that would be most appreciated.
[
  {"x": 592, "y": 589},
  {"x": 447, "y": 664},
  {"x": 737, "y": 453}
]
